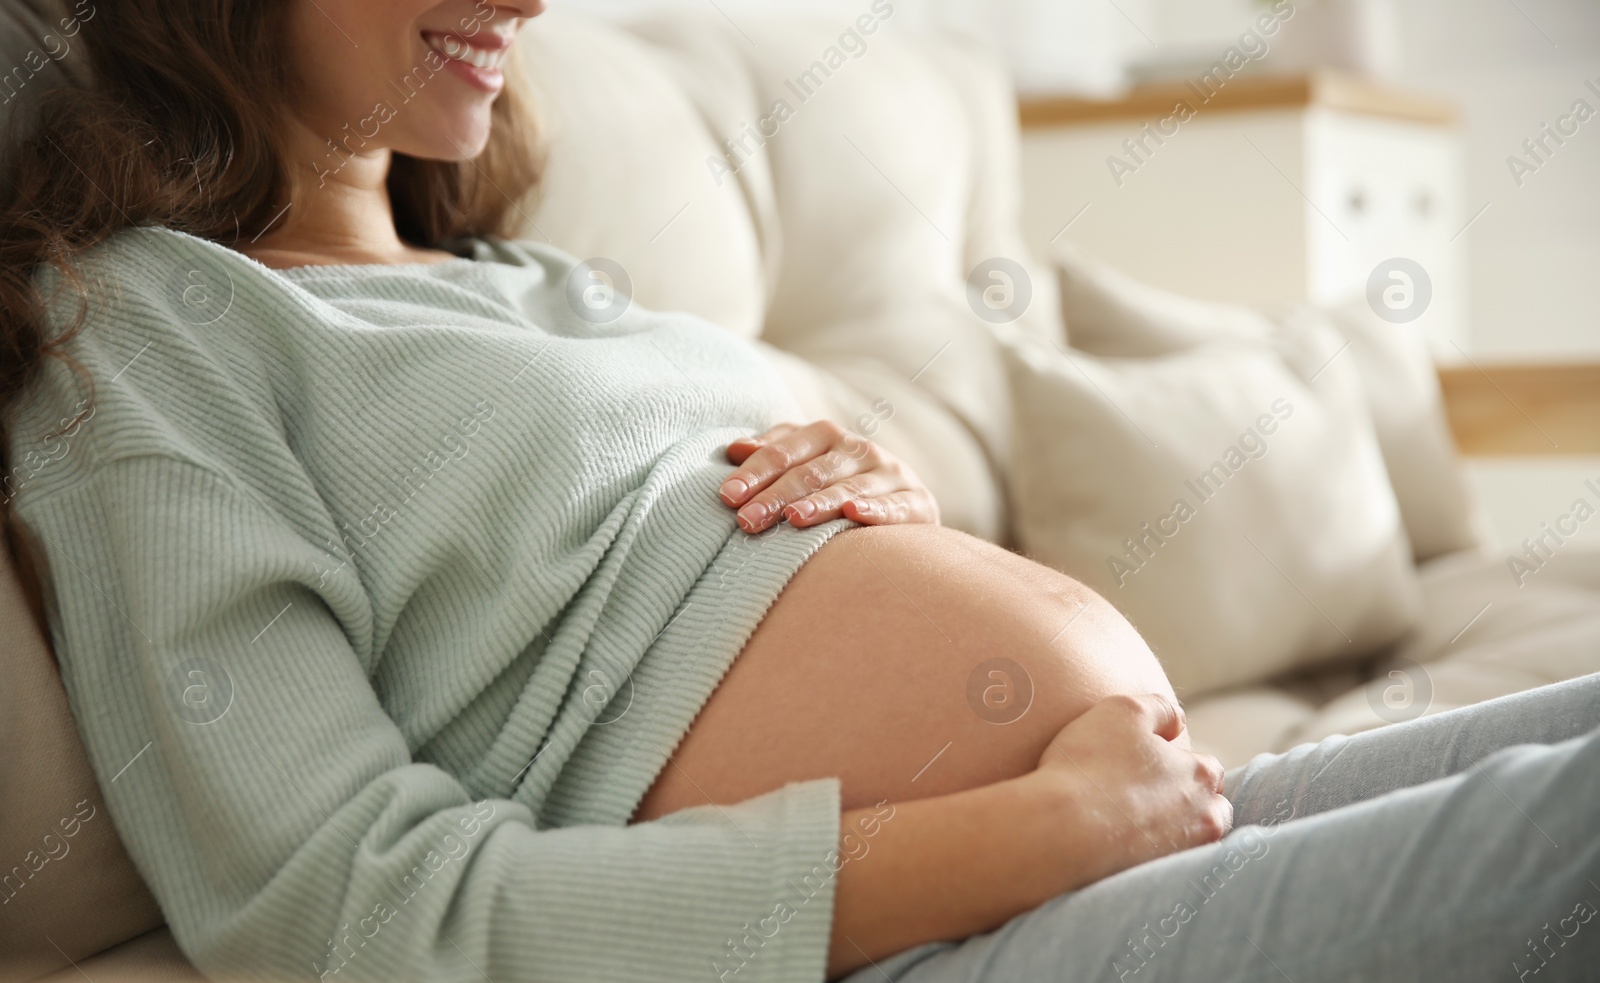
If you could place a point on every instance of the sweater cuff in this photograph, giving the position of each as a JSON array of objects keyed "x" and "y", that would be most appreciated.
[{"x": 798, "y": 829}]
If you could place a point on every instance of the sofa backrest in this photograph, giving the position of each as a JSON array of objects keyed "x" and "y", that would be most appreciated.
[
  {"x": 625, "y": 175},
  {"x": 39, "y": 50},
  {"x": 826, "y": 188}
]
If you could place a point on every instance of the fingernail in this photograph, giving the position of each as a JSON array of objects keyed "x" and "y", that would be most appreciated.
[
  {"x": 753, "y": 514},
  {"x": 733, "y": 489},
  {"x": 802, "y": 511},
  {"x": 864, "y": 508}
]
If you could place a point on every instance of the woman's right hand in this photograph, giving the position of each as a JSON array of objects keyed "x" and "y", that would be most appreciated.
[{"x": 1133, "y": 784}]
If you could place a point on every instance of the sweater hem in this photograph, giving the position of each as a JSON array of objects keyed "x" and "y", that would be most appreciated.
[{"x": 621, "y": 760}]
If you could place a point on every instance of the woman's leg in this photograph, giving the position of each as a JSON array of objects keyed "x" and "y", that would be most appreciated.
[
  {"x": 1338, "y": 771},
  {"x": 910, "y": 661},
  {"x": 1492, "y": 873}
]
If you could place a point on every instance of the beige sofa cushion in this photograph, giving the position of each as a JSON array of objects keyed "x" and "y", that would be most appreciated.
[
  {"x": 626, "y": 178},
  {"x": 1480, "y": 636},
  {"x": 151, "y": 958},
  {"x": 1227, "y": 495},
  {"x": 38, "y": 51},
  {"x": 1238, "y": 724},
  {"x": 67, "y": 887}
]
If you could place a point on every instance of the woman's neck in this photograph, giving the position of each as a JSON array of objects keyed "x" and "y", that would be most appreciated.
[{"x": 342, "y": 217}]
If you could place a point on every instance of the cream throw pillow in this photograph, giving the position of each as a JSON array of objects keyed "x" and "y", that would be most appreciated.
[
  {"x": 1112, "y": 314},
  {"x": 1440, "y": 512},
  {"x": 1221, "y": 485}
]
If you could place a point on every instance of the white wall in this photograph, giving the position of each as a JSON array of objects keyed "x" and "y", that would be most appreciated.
[
  {"x": 1536, "y": 251},
  {"x": 1534, "y": 256}
]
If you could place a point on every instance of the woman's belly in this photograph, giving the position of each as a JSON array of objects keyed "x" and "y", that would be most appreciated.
[{"x": 908, "y": 661}]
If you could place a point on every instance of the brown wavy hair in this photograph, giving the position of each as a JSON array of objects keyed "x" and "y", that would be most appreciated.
[{"x": 183, "y": 127}]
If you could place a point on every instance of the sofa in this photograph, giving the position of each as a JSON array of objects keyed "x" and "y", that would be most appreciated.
[{"x": 845, "y": 196}]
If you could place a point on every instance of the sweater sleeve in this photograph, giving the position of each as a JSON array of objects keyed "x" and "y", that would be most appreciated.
[{"x": 276, "y": 812}]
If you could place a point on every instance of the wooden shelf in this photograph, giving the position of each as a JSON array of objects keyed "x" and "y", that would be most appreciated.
[
  {"x": 1328, "y": 90},
  {"x": 1523, "y": 410}
]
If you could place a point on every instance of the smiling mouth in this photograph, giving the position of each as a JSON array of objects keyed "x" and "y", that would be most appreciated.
[{"x": 460, "y": 50}]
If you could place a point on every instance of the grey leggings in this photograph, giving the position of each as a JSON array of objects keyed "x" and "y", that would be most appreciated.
[{"x": 1464, "y": 846}]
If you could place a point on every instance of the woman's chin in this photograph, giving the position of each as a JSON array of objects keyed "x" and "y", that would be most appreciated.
[{"x": 457, "y": 139}]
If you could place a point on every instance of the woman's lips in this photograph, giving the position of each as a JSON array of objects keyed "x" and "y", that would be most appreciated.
[{"x": 477, "y": 61}]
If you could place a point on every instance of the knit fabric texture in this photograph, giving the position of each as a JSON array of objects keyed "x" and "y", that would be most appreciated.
[{"x": 382, "y": 594}]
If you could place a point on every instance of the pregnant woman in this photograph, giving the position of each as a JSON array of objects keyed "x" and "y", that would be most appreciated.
[{"x": 419, "y": 627}]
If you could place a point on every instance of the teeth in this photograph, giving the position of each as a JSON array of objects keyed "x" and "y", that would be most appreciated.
[{"x": 457, "y": 50}]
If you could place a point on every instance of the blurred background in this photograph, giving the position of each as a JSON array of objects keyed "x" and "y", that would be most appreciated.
[{"x": 1513, "y": 254}]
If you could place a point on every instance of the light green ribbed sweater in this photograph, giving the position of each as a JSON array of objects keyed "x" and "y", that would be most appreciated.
[{"x": 382, "y": 594}]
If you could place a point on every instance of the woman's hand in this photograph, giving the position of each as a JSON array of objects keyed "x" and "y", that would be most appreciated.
[
  {"x": 813, "y": 474},
  {"x": 1116, "y": 787},
  {"x": 1127, "y": 767}
]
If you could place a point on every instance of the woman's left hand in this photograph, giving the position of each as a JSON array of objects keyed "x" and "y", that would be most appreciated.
[{"x": 820, "y": 472}]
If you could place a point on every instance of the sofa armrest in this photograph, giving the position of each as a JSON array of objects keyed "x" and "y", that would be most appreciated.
[{"x": 1523, "y": 410}]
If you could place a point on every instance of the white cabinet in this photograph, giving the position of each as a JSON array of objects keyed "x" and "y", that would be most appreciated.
[{"x": 1269, "y": 191}]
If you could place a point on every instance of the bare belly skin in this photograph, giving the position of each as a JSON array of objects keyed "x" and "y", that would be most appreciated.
[{"x": 877, "y": 664}]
